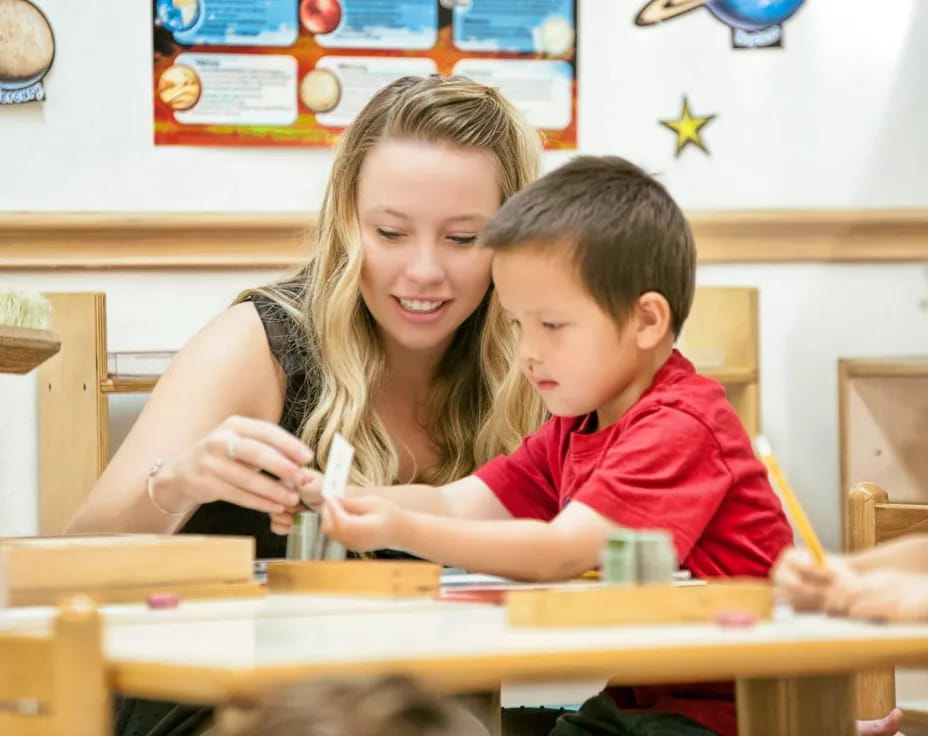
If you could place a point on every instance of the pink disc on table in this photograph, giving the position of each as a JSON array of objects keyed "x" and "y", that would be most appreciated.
[
  {"x": 736, "y": 619},
  {"x": 162, "y": 600}
]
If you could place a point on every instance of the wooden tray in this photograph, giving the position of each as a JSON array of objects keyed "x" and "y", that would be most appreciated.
[
  {"x": 24, "y": 348},
  {"x": 138, "y": 594},
  {"x": 42, "y": 568},
  {"x": 642, "y": 604},
  {"x": 391, "y": 579}
]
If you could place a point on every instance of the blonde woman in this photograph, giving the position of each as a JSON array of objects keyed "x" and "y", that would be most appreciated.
[{"x": 390, "y": 335}]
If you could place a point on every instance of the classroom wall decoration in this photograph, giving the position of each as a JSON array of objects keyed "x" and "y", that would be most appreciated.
[
  {"x": 687, "y": 128},
  {"x": 27, "y": 49},
  {"x": 754, "y": 23},
  {"x": 296, "y": 72}
]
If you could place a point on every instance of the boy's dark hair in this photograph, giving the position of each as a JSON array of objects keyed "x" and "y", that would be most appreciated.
[
  {"x": 618, "y": 225},
  {"x": 368, "y": 706}
]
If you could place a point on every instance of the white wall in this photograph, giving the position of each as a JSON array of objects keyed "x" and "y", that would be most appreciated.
[{"x": 835, "y": 120}]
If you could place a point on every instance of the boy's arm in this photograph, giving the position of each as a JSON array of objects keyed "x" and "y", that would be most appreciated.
[
  {"x": 523, "y": 549},
  {"x": 468, "y": 498}
]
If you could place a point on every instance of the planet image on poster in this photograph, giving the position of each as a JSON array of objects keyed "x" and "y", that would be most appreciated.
[
  {"x": 320, "y": 90},
  {"x": 27, "y": 46},
  {"x": 179, "y": 87},
  {"x": 748, "y": 15},
  {"x": 557, "y": 36},
  {"x": 178, "y": 15},
  {"x": 320, "y": 16}
]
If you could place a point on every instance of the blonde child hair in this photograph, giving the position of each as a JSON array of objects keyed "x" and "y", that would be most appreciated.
[{"x": 380, "y": 706}]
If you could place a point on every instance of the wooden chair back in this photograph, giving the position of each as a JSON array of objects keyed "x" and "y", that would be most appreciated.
[
  {"x": 872, "y": 519},
  {"x": 54, "y": 683}
]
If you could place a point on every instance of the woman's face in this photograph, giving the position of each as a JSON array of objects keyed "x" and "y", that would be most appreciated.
[{"x": 420, "y": 209}]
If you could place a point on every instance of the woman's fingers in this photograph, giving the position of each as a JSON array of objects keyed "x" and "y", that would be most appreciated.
[
  {"x": 282, "y": 523},
  {"x": 237, "y": 475},
  {"x": 267, "y": 433}
]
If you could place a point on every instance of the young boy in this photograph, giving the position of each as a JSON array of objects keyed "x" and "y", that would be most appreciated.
[{"x": 594, "y": 266}]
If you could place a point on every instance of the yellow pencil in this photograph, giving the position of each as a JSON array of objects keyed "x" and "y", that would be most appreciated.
[{"x": 789, "y": 498}]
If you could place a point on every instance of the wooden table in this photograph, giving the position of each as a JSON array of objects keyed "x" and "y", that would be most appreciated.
[{"x": 793, "y": 676}]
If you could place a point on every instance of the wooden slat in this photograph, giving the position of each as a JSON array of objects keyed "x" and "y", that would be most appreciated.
[
  {"x": 139, "y": 593},
  {"x": 63, "y": 673},
  {"x": 875, "y": 689},
  {"x": 30, "y": 240},
  {"x": 129, "y": 385},
  {"x": 356, "y": 577},
  {"x": 721, "y": 338},
  {"x": 50, "y": 565},
  {"x": 800, "y": 706},
  {"x": 73, "y": 417},
  {"x": 898, "y": 519},
  {"x": 907, "y": 365},
  {"x": 23, "y": 348},
  {"x": 641, "y": 604},
  {"x": 154, "y": 240},
  {"x": 81, "y": 692}
]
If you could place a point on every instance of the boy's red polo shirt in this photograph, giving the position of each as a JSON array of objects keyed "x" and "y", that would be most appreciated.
[{"x": 678, "y": 459}]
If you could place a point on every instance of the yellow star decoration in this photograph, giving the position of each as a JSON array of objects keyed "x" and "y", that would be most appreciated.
[{"x": 687, "y": 128}]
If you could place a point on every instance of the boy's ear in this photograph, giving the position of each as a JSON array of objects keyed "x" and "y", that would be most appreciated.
[{"x": 653, "y": 320}]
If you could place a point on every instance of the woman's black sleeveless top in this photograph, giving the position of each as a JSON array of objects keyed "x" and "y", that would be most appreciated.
[{"x": 136, "y": 717}]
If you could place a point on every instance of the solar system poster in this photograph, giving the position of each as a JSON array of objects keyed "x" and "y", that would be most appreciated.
[{"x": 296, "y": 72}]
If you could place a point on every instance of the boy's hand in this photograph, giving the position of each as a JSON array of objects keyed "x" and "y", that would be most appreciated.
[
  {"x": 311, "y": 489},
  {"x": 364, "y": 524},
  {"x": 799, "y": 580},
  {"x": 885, "y": 595}
]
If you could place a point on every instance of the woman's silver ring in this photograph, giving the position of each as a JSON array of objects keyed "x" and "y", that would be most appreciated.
[{"x": 230, "y": 447}]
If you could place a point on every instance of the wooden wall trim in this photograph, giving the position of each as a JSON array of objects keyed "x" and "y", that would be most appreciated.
[{"x": 47, "y": 240}]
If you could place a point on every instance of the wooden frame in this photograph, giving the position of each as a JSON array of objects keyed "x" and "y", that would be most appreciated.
[
  {"x": 870, "y": 520},
  {"x": 41, "y": 240},
  {"x": 74, "y": 386},
  {"x": 61, "y": 674}
]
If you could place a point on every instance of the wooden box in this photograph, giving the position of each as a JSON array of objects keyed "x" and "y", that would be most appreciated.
[
  {"x": 639, "y": 604},
  {"x": 116, "y": 568},
  {"x": 391, "y": 579}
]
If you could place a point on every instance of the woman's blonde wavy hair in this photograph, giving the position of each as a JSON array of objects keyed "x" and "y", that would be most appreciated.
[{"x": 478, "y": 408}]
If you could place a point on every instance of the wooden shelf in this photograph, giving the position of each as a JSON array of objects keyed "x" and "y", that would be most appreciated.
[
  {"x": 730, "y": 376},
  {"x": 882, "y": 404},
  {"x": 911, "y": 365},
  {"x": 128, "y": 384},
  {"x": 134, "y": 372},
  {"x": 24, "y": 348}
]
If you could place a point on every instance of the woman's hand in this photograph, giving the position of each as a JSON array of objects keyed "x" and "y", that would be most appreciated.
[
  {"x": 248, "y": 462},
  {"x": 310, "y": 493}
]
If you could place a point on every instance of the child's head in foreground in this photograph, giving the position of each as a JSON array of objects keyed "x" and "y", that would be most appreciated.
[
  {"x": 595, "y": 265},
  {"x": 376, "y": 706}
]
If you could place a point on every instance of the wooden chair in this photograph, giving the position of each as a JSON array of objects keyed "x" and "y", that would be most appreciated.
[
  {"x": 871, "y": 519},
  {"x": 54, "y": 684}
]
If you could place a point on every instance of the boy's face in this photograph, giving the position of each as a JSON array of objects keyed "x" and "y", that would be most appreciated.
[{"x": 574, "y": 353}]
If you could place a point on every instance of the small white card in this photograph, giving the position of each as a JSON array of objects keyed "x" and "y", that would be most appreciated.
[{"x": 337, "y": 468}]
